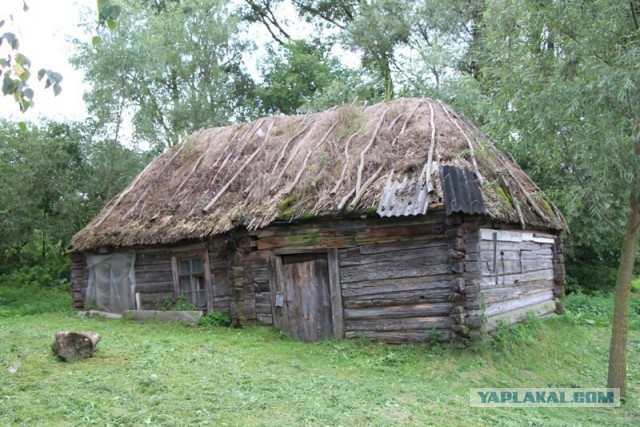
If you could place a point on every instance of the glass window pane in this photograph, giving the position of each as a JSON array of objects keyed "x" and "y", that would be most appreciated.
[
  {"x": 188, "y": 297},
  {"x": 185, "y": 267},
  {"x": 185, "y": 284},
  {"x": 196, "y": 265},
  {"x": 200, "y": 300}
]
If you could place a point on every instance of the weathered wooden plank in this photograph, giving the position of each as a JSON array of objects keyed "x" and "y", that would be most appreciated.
[
  {"x": 264, "y": 319},
  {"x": 406, "y": 324},
  {"x": 418, "y": 242},
  {"x": 515, "y": 304},
  {"x": 176, "y": 278},
  {"x": 277, "y": 292},
  {"x": 306, "y": 241},
  {"x": 341, "y": 226},
  {"x": 260, "y": 275},
  {"x": 435, "y": 295},
  {"x": 433, "y": 255},
  {"x": 222, "y": 304},
  {"x": 150, "y": 258},
  {"x": 335, "y": 291},
  {"x": 516, "y": 236},
  {"x": 511, "y": 279},
  {"x": 515, "y": 267},
  {"x": 402, "y": 337},
  {"x": 493, "y": 295},
  {"x": 153, "y": 287},
  {"x": 153, "y": 268},
  {"x": 506, "y": 254},
  {"x": 486, "y": 245},
  {"x": 261, "y": 286},
  {"x": 471, "y": 267},
  {"x": 400, "y": 311},
  {"x": 539, "y": 309},
  {"x": 154, "y": 277},
  {"x": 393, "y": 269},
  {"x": 209, "y": 289},
  {"x": 386, "y": 286},
  {"x": 391, "y": 233}
]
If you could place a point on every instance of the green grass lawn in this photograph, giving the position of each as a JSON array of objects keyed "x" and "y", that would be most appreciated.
[{"x": 165, "y": 374}]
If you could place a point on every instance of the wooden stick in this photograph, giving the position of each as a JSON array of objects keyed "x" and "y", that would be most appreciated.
[
  {"x": 295, "y": 152},
  {"x": 515, "y": 200},
  {"x": 404, "y": 125},
  {"x": 221, "y": 167},
  {"x": 527, "y": 196},
  {"x": 346, "y": 163},
  {"x": 146, "y": 190},
  {"x": 432, "y": 123},
  {"x": 365, "y": 186},
  {"x": 394, "y": 121},
  {"x": 472, "y": 153},
  {"x": 285, "y": 146},
  {"x": 345, "y": 199},
  {"x": 226, "y": 186},
  {"x": 243, "y": 143},
  {"x": 300, "y": 172},
  {"x": 364, "y": 152}
]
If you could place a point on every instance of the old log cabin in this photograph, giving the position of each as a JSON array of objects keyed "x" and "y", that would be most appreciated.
[{"x": 395, "y": 221}]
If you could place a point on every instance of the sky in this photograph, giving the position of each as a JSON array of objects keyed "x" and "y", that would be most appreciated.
[{"x": 45, "y": 32}]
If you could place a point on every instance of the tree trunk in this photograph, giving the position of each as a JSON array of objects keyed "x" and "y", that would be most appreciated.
[
  {"x": 71, "y": 346},
  {"x": 618, "y": 351}
]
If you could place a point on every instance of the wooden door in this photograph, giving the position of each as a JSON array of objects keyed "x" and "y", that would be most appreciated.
[{"x": 306, "y": 296}]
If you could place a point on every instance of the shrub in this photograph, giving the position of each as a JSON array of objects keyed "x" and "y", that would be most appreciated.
[
  {"x": 505, "y": 337},
  {"x": 217, "y": 318},
  {"x": 597, "y": 309},
  {"x": 590, "y": 277},
  {"x": 181, "y": 304}
]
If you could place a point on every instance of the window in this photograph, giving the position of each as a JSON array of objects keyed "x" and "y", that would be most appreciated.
[
  {"x": 111, "y": 282},
  {"x": 192, "y": 283}
]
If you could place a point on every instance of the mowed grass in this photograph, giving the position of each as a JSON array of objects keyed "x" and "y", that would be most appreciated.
[{"x": 175, "y": 375}]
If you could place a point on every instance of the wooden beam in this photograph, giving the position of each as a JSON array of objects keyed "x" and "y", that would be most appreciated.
[
  {"x": 209, "y": 290},
  {"x": 176, "y": 278},
  {"x": 335, "y": 290}
]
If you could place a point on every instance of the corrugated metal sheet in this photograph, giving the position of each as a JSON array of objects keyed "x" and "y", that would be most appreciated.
[
  {"x": 406, "y": 198},
  {"x": 461, "y": 191}
]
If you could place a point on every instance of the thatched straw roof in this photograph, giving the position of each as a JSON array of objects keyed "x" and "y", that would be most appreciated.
[{"x": 393, "y": 158}]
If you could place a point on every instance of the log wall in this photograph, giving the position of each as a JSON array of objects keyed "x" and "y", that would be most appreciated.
[
  {"x": 79, "y": 277},
  {"x": 219, "y": 263},
  {"x": 518, "y": 274},
  {"x": 401, "y": 279},
  {"x": 154, "y": 278}
]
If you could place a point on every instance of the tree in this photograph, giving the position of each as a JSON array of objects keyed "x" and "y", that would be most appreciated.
[
  {"x": 174, "y": 66},
  {"x": 15, "y": 67},
  {"x": 15, "y": 70},
  {"x": 373, "y": 29},
  {"x": 563, "y": 86},
  {"x": 53, "y": 179},
  {"x": 303, "y": 77}
]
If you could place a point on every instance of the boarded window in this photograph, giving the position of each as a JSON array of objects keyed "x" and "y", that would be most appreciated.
[{"x": 111, "y": 283}]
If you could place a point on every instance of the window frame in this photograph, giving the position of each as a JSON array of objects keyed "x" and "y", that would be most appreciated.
[{"x": 203, "y": 256}]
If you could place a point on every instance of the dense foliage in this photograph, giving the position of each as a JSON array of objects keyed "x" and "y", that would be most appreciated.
[{"x": 53, "y": 179}]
